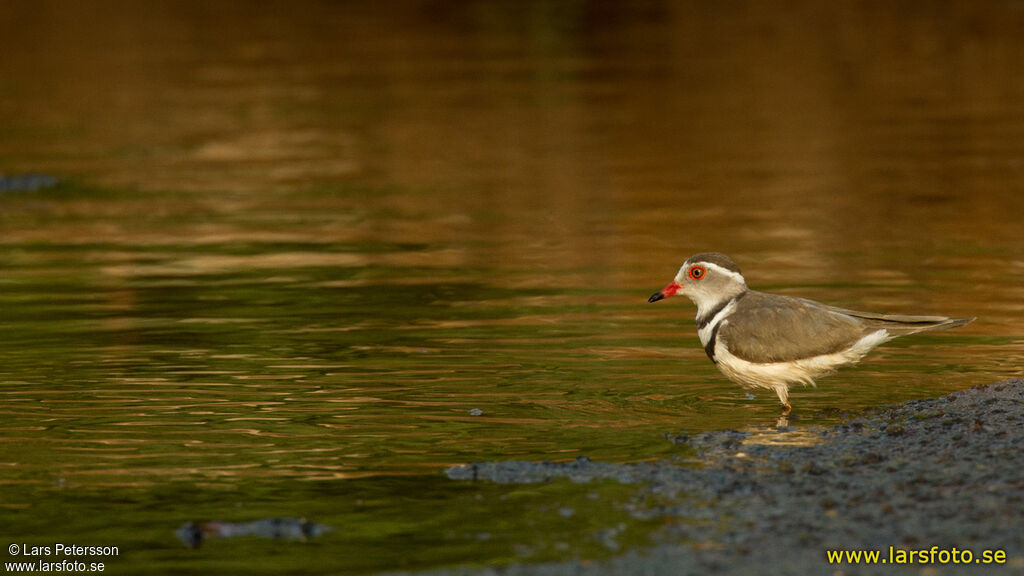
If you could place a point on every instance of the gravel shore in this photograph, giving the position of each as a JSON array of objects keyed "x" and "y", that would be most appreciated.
[{"x": 946, "y": 472}]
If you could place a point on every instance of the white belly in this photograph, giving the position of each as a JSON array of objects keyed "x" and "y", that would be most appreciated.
[{"x": 776, "y": 375}]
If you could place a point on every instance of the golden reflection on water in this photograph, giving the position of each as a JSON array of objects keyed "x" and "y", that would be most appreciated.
[
  {"x": 772, "y": 436},
  {"x": 318, "y": 240}
]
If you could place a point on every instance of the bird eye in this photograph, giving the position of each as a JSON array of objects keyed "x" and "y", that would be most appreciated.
[{"x": 697, "y": 272}]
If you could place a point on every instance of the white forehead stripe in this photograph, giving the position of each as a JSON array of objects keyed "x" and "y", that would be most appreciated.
[{"x": 712, "y": 266}]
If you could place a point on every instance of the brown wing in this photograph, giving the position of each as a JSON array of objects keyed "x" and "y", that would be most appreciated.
[{"x": 771, "y": 328}]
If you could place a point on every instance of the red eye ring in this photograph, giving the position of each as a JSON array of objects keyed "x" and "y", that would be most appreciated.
[{"x": 697, "y": 272}]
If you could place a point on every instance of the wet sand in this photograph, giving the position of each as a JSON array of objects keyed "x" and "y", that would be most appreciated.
[{"x": 945, "y": 472}]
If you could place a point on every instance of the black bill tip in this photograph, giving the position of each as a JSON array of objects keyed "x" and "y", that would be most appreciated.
[{"x": 655, "y": 297}]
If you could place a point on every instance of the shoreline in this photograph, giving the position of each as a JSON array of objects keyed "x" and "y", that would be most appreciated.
[{"x": 944, "y": 472}]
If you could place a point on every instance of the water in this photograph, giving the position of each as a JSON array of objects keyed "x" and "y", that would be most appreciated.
[{"x": 304, "y": 256}]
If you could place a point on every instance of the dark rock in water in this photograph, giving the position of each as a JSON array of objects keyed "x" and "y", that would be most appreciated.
[
  {"x": 190, "y": 535},
  {"x": 26, "y": 182},
  {"x": 193, "y": 535}
]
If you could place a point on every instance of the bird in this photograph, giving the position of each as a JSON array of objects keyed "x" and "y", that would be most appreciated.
[{"x": 773, "y": 342}]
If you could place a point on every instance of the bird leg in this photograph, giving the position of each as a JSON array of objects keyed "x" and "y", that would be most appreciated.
[{"x": 783, "y": 393}]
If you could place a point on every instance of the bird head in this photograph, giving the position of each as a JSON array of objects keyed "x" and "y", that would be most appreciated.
[{"x": 707, "y": 279}]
